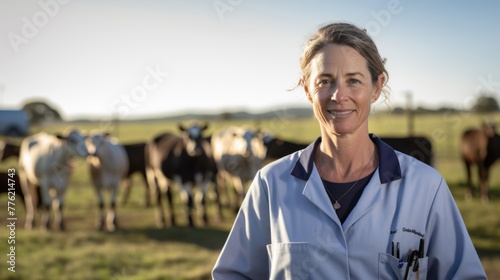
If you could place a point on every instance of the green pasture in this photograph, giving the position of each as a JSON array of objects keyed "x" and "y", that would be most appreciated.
[{"x": 139, "y": 250}]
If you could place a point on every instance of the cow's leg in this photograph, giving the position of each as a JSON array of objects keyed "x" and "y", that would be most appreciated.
[
  {"x": 151, "y": 182},
  {"x": 62, "y": 223},
  {"x": 154, "y": 186},
  {"x": 240, "y": 193},
  {"x": 470, "y": 189},
  {"x": 127, "y": 183},
  {"x": 58, "y": 207},
  {"x": 220, "y": 187},
  {"x": 233, "y": 194},
  {"x": 186, "y": 195},
  {"x": 45, "y": 218},
  {"x": 147, "y": 191},
  {"x": 100, "y": 205},
  {"x": 170, "y": 200},
  {"x": 160, "y": 216},
  {"x": 46, "y": 204},
  {"x": 100, "y": 219},
  {"x": 200, "y": 194},
  {"x": 31, "y": 205},
  {"x": 203, "y": 193},
  {"x": 111, "y": 218},
  {"x": 28, "y": 200},
  {"x": 483, "y": 179},
  {"x": 57, "y": 210},
  {"x": 190, "y": 205}
]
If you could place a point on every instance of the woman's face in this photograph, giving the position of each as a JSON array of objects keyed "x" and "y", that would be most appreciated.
[{"x": 341, "y": 90}]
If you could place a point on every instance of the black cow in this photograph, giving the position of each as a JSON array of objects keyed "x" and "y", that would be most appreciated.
[
  {"x": 416, "y": 146},
  {"x": 136, "y": 163},
  {"x": 8, "y": 150},
  {"x": 185, "y": 160},
  {"x": 480, "y": 147},
  {"x": 277, "y": 148}
]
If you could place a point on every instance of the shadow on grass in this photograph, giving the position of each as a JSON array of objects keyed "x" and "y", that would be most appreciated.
[
  {"x": 459, "y": 188},
  {"x": 488, "y": 252},
  {"x": 210, "y": 238},
  {"x": 489, "y": 238},
  {"x": 494, "y": 193}
]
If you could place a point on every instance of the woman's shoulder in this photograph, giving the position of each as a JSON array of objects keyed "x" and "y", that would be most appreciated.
[
  {"x": 412, "y": 165},
  {"x": 282, "y": 164}
]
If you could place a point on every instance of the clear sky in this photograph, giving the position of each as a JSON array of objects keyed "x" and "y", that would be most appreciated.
[{"x": 142, "y": 58}]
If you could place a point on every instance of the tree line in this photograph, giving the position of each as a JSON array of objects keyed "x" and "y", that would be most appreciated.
[{"x": 40, "y": 111}]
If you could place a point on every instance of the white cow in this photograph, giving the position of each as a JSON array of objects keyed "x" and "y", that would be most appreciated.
[
  {"x": 239, "y": 153},
  {"x": 45, "y": 162},
  {"x": 108, "y": 163}
]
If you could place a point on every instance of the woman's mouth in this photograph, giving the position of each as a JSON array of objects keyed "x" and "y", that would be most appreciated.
[{"x": 340, "y": 114}]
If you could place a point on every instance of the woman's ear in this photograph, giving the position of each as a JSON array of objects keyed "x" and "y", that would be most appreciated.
[{"x": 377, "y": 87}]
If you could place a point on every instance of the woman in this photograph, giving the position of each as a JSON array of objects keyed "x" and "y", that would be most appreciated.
[{"x": 348, "y": 206}]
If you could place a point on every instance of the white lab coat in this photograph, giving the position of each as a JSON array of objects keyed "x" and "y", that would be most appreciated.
[{"x": 287, "y": 228}]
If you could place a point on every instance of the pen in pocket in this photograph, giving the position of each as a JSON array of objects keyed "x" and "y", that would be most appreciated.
[{"x": 395, "y": 250}]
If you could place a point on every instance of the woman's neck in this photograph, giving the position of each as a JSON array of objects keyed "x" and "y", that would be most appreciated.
[{"x": 345, "y": 159}]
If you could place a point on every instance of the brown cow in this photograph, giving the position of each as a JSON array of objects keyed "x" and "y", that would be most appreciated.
[{"x": 480, "y": 147}]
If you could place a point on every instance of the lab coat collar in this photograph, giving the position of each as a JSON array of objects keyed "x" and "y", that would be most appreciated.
[{"x": 388, "y": 164}]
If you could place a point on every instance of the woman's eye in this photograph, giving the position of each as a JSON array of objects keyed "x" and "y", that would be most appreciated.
[
  {"x": 325, "y": 82},
  {"x": 354, "y": 81}
]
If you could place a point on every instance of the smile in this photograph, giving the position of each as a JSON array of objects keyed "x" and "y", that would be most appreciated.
[{"x": 340, "y": 113}]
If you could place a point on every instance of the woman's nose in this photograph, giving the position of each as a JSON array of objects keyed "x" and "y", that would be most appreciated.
[{"x": 339, "y": 94}]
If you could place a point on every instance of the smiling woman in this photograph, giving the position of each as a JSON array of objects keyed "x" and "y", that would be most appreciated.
[
  {"x": 339, "y": 74},
  {"x": 344, "y": 205}
]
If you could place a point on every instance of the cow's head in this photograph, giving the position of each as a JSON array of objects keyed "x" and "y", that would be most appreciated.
[
  {"x": 94, "y": 142},
  {"x": 254, "y": 142},
  {"x": 193, "y": 138},
  {"x": 75, "y": 142},
  {"x": 247, "y": 136},
  {"x": 489, "y": 128}
]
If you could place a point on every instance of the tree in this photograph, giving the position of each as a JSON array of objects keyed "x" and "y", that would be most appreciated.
[
  {"x": 485, "y": 103},
  {"x": 40, "y": 111}
]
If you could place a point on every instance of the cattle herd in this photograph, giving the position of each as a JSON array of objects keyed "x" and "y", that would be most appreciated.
[{"x": 187, "y": 163}]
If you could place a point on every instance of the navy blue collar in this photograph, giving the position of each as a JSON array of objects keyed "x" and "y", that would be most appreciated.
[{"x": 388, "y": 163}]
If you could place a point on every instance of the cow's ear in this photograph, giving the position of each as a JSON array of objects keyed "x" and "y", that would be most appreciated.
[
  {"x": 204, "y": 126},
  {"x": 259, "y": 133},
  {"x": 106, "y": 135},
  {"x": 59, "y": 136},
  {"x": 181, "y": 127}
]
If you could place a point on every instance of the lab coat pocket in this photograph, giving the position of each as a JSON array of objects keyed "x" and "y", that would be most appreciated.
[
  {"x": 288, "y": 260},
  {"x": 390, "y": 267}
]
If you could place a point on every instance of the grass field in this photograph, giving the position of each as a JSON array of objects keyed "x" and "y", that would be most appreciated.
[{"x": 138, "y": 250}]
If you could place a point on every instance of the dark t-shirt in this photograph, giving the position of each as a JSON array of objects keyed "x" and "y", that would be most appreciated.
[{"x": 347, "y": 203}]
